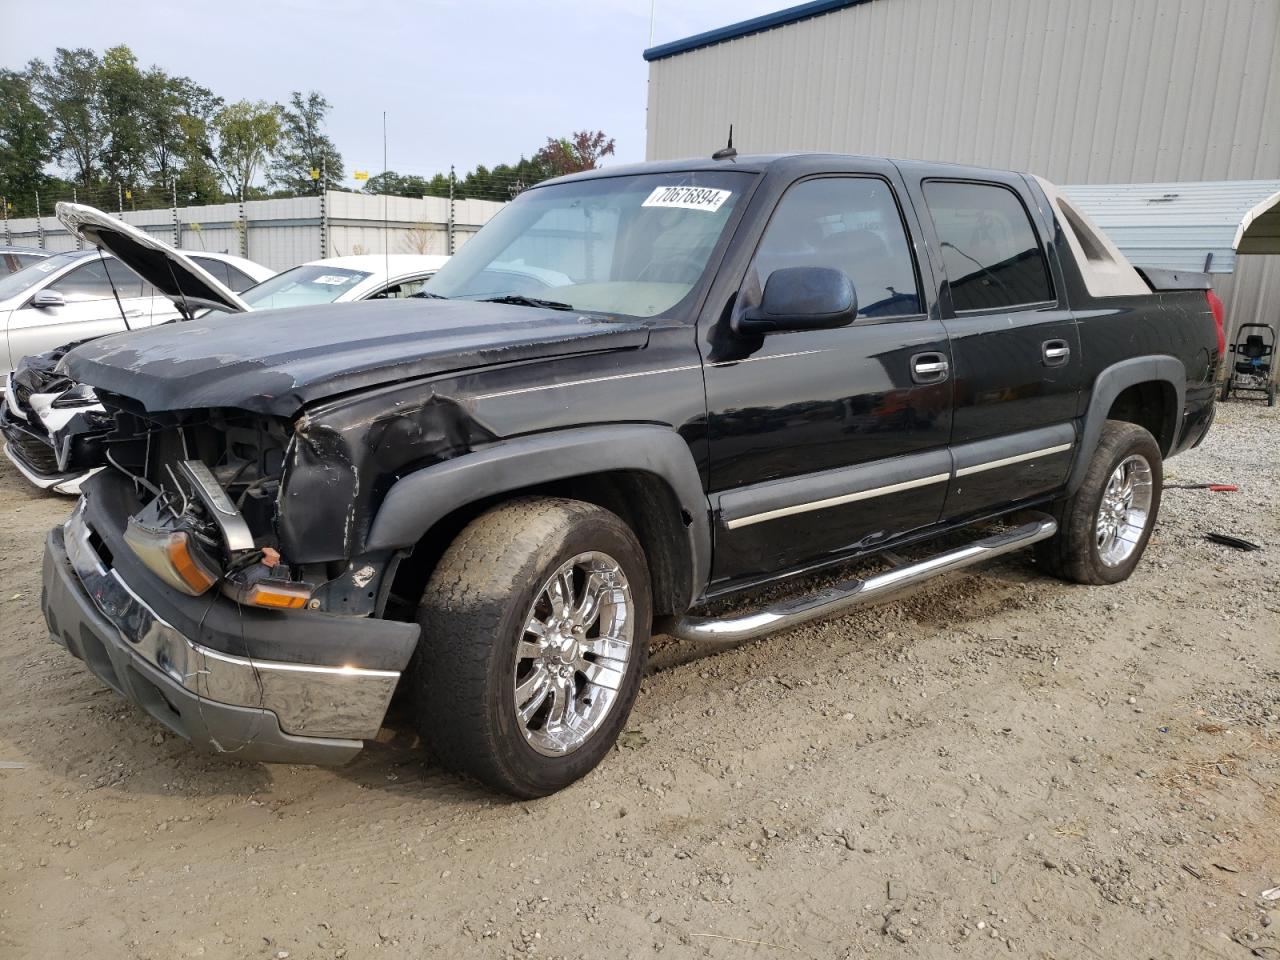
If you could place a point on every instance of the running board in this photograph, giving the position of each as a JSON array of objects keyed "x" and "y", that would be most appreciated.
[{"x": 841, "y": 597}]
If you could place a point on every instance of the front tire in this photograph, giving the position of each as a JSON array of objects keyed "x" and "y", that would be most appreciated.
[
  {"x": 535, "y": 632},
  {"x": 1103, "y": 529}
]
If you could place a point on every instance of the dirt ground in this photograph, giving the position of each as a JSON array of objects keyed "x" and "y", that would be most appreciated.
[{"x": 1001, "y": 765}]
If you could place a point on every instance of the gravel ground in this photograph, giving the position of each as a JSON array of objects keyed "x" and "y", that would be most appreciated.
[{"x": 1001, "y": 765}]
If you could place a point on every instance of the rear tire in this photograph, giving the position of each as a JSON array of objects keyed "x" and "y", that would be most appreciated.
[
  {"x": 1104, "y": 527},
  {"x": 509, "y": 685}
]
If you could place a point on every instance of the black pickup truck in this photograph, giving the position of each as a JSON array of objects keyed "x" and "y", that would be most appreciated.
[{"x": 635, "y": 392}]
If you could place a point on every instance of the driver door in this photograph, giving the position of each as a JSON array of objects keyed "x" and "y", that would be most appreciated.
[
  {"x": 89, "y": 309},
  {"x": 827, "y": 443}
]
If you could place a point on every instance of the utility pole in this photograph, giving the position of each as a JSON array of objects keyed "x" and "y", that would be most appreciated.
[
  {"x": 177, "y": 227},
  {"x": 452, "y": 181},
  {"x": 120, "y": 199},
  {"x": 4, "y": 206},
  {"x": 39, "y": 223}
]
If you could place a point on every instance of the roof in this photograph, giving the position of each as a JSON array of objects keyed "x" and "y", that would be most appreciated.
[
  {"x": 30, "y": 251},
  {"x": 745, "y": 28},
  {"x": 1176, "y": 226},
  {"x": 378, "y": 263}
]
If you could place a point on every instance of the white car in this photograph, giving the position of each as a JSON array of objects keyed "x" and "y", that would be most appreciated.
[
  {"x": 68, "y": 296},
  {"x": 53, "y": 427},
  {"x": 342, "y": 279}
]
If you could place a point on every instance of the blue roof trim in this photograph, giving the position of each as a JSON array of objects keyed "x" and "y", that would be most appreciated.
[{"x": 815, "y": 8}]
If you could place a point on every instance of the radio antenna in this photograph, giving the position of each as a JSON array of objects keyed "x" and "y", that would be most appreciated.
[
  {"x": 726, "y": 152},
  {"x": 386, "y": 223}
]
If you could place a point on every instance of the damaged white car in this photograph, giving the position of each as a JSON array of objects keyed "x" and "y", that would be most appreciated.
[{"x": 55, "y": 429}]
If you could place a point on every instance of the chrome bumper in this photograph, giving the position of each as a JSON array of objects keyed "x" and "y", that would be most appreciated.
[{"x": 308, "y": 701}]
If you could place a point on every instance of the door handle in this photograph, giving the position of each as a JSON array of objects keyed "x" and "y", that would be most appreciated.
[
  {"x": 929, "y": 367},
  {"x": 1055, "y": 352},
  {"x": 133, "y": 313}
]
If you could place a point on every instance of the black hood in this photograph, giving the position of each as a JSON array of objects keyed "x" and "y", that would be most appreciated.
[{"x": 276, "y": 361}]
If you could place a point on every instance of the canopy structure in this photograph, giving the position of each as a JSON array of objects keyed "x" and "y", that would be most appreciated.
[{"x": 1200, "y": 225}]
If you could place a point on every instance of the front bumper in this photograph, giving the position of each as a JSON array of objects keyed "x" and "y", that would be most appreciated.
[{"x": 255, "y": 709}]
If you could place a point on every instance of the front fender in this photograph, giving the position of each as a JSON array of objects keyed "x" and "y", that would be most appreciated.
[{"x": 418, "y": 501}]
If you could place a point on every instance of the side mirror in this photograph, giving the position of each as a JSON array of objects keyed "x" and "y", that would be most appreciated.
[
  {"x": 802, "y": 298},
  {"x": 48, "y": 298}
]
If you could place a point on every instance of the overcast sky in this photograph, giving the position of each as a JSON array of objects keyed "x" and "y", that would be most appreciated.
[{"x": 462, "y": 82}]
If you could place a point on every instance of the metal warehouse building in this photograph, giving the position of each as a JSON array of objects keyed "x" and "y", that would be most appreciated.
[{"x": 1083, "y": 92}]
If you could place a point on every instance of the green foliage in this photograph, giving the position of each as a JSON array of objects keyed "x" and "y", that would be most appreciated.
[
  {"x": 26, "y": 143},
  {"x": 139, "y": 136},
  {"x": 69, "y": 90},
  {"x": 247, "y": 132},
  {"x": 303, "y": 146}
]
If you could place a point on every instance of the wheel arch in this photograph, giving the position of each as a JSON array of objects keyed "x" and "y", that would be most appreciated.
[
  {"x": 1149, "y": 391},
  {"x": 643, "y": 472}
]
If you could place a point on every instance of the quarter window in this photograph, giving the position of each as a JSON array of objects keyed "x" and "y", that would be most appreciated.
[
  {"x": 989, "y": 247},
  {"x": 850, "y": 224}
]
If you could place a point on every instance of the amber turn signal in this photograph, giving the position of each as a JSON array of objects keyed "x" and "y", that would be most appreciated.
[
  {"x": 278, "y": 594},
  {"x": 170, "y": 556}
]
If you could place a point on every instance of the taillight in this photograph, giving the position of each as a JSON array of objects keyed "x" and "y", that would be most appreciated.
[{"x": 1219, "y": 318}]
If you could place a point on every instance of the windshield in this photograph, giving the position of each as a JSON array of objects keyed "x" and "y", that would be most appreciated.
[
  {"x": 302, "y": 286},
  {"x": 633, "y": 245},
  {"x": 23, "y": 280}
]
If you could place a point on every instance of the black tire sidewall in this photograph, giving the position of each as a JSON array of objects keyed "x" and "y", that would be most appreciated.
[
  {"x": 543, "y": 774},
  {"x": 1118, "y": 441}
]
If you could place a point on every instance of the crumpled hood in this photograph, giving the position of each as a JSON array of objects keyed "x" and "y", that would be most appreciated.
[{"x": 276, "y": 361}]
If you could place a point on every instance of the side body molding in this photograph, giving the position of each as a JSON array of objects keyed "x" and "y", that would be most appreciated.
[
  {"x": 417, "y": 501},
  {"x": 1109, "y": 384}
]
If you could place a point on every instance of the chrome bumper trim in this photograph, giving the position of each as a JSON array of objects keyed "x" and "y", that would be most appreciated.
[{"x": 309, "y": 700}]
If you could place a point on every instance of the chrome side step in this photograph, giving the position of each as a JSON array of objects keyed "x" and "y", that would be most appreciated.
[{"x": 841, "y": 597}]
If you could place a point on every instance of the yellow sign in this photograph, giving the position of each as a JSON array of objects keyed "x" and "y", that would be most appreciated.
[
  {"x": 361, "y": 174},
  {"x": 315, "y": 174},
  {"x": 128, "y": 194}
]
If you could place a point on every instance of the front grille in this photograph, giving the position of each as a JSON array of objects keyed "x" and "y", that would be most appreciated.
[{"x": 35, "y": 454}]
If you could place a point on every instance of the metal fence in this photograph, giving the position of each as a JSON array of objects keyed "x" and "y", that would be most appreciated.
[{"x": 282, "y": 233}]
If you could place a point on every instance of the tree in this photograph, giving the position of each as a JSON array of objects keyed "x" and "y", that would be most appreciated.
[
  {"x": 247, "y": 133},
  {"x": 582, "y": 151},
  {"x": 122, "y": 94},
  {"x": 68, "y": 91},
  {"x": 398, "y": 185},
  {"x": 303, "y": 145},
  {"x": 174, "y": 119},
  {"x": 26, "y": 142}
]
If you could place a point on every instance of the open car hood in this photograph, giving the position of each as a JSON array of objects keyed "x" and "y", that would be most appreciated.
[{"x": 168, "y": 270}]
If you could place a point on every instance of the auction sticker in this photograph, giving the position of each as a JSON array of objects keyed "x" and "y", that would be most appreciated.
[
  {"x": 332, "y": 279},
  {"x": 708, "y": 199}
]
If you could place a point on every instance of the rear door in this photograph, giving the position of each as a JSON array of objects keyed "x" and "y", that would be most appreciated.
[
  {"x": 824, "y": 443},
  {"x": 1014, "y": 343}
]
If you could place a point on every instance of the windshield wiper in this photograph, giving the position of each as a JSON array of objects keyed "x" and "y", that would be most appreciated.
[
  {"x": 427, "y": 295},
  {"x": 520, "y": 300}
]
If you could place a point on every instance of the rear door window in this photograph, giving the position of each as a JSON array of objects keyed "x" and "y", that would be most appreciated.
[
  {"x": 990, "y": 249},
  {"x": 851, "y": 224},
  {"x": 215, "y": 268}
]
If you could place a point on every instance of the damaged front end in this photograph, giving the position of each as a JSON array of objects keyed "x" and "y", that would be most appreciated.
[
  {"x": 53, "y": 427},
  {"x": 172, "y": 582}
]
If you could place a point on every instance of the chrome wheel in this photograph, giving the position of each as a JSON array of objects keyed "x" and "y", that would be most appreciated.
[
  {"x": 572, "y": 656},
  {"x": 1124, "y": 511}
]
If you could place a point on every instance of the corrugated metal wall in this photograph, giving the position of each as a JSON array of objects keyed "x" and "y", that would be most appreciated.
[
  {"x": 1078, "y": 91},
  {"x": 284, "y": 233}
]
